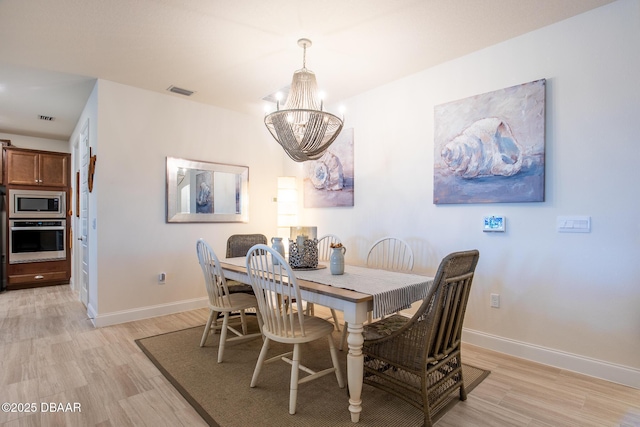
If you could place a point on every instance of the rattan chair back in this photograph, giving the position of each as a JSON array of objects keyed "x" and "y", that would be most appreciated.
[{"x": 239, "y": 244}]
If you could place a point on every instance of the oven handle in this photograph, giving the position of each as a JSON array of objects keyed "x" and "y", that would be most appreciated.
[{"x": 37, "y": 228}]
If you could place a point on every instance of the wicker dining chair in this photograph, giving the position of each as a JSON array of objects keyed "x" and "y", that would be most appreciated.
[
  {"x": 237, "y": 246},
  {"x": 272, "y": 284},
  {"x": 418, "y": 359},
  {"x": 221, "y": 301}
]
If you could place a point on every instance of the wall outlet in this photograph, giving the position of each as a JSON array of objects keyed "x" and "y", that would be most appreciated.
[
  {"x": 162, "y": 277},
  {"x": 495, "y": 300}
]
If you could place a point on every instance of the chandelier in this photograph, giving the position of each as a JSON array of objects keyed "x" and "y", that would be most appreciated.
[{"x": 302, "y": 129}]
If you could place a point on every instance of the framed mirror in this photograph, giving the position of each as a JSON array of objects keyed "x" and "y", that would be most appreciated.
[{"x": 206, "y": 192}]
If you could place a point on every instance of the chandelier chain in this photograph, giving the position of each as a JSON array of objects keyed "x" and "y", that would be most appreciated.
[{"x": 304, "y": 56}]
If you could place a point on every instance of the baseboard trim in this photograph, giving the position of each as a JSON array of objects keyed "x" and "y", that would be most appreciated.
[
  {"x": 91, "y": 312},
  {"x": 547, "y": 356},
  {"x": 114, "y": 318}
]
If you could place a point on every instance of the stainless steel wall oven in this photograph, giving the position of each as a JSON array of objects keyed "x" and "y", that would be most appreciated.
[{"x": 33, "y": 240}]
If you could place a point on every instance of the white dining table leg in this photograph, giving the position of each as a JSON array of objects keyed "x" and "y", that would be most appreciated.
[{"x": 355, "y": 369}]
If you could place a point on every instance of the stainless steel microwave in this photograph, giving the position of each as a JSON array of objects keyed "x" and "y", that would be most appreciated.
[{"x": 36, "y": 204}]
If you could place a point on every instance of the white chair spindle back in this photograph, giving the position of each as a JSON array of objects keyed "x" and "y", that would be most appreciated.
[{"x": 276, "y": 288}]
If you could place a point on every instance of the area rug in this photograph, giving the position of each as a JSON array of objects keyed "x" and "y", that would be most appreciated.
[{"x": 220, "y": 393}]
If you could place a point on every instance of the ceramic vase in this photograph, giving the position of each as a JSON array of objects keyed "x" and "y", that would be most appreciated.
[
  {"x": 336, "y": 260},
  {"x": 276, "y": 243}
]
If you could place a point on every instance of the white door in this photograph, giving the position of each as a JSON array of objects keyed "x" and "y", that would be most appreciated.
[{"x": 83, "y": 254}]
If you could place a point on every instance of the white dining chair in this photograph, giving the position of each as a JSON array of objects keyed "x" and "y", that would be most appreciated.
[
  {"x": 324, "y": 246},
  {"x": 272, "y": 284},
  {"x": 387, "y": 253},
  {"x": 390, "y": 253},
  {"x": 222, "y": 301},
  {"x": 324, "y": 253}
]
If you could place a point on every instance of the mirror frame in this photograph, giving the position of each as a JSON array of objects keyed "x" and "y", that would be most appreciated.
[{"x": 173, "y": 164}]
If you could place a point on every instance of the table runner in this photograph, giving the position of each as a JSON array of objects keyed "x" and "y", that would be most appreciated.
[{"x": 391, "y": 290}]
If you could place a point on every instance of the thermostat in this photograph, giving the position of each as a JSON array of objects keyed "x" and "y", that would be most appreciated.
[{"x": 494, "y": 223}]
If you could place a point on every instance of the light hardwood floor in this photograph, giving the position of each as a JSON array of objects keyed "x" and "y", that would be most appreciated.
[{"x": 50, "y": 352}]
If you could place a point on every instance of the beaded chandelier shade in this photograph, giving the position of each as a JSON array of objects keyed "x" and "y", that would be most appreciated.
[{"x": 302, "y": 129}]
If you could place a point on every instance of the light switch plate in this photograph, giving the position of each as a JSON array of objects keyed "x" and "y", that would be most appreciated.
[
  {"x": 573, "y": 224},
  {"x": 494, "y": 223}
]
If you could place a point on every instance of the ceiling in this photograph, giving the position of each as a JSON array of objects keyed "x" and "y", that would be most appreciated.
[{"x": 234, "y": 53}]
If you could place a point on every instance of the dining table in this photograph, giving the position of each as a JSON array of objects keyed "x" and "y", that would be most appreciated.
[{"x": 356, "y": 292}]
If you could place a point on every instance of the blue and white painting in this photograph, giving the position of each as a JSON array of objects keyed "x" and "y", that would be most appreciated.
[
  {"x": 328, "y": 181},
  {"x": 489, "y": 148}
]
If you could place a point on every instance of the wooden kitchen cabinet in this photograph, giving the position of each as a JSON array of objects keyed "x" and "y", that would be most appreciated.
[
  {"x": 32, "y": 274},
  {"x": 40, "y": 170},
  {"x": 37, "y": 168}
]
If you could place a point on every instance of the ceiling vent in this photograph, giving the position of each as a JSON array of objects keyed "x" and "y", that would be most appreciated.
[
  {"x": 180, "y": 91},
  {"x": 273, "y": 97},
  {"x": 46, "y": 118}
]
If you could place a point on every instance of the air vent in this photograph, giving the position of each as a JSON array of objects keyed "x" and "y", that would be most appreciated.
[
  {"x": 273, "y": 96},
  {"x": 46, "y": 118},
  {"x": 180, "y": 91}
]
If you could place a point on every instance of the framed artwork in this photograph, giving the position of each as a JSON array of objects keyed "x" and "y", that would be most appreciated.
[
  {"x": 329, "y": 181},
  {"x": 200, "y": 191},
  {"x": 204, "y": 199},
  {"x": 489, "y": 148}
]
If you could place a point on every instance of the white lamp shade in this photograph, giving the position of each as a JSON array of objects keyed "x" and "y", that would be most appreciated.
[{"x": 287, "y": 201}]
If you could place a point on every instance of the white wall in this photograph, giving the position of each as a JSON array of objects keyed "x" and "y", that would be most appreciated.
[
  {"x": 571, "y": 300},
  {"x": 89, "y": 116},
  {"x": 137, "y": 130},
  {"x": 34, "y": 143}
]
